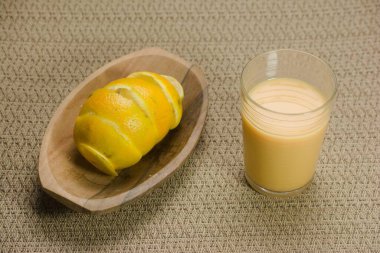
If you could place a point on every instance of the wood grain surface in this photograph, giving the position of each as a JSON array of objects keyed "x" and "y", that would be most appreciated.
[{"x": 69, "y": 178}]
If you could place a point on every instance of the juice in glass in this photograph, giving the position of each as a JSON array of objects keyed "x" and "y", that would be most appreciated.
[{"x": 284, "y": 119}]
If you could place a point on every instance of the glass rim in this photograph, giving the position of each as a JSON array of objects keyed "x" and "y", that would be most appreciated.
[{"x": 328, "y": 67}]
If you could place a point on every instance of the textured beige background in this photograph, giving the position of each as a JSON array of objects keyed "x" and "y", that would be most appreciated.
[{"x": 47, "y": 48}]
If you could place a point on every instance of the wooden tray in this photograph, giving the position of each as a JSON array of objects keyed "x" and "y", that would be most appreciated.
[{"x": 69, "y": 178}]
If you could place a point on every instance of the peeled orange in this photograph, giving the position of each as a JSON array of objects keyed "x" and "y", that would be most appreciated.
[{"x": 124, "y": 120}]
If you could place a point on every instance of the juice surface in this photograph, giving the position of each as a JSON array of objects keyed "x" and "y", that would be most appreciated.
[{"x": 283, "y": 135}]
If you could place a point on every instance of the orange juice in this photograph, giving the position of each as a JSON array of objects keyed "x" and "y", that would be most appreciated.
[{"x": 283, "y": 129}]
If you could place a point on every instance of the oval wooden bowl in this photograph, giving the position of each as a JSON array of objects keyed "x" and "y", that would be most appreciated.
[{"x": 69, "y": 178}]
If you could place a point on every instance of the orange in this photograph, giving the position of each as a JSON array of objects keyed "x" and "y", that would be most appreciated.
[{"x": 122, "y": 121}]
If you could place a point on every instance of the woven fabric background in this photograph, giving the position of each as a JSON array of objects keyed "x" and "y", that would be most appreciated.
[{"x": 48, "y": 47}]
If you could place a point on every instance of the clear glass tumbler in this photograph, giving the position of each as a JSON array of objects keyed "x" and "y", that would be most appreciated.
[{"x": 286, "y": 100}]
